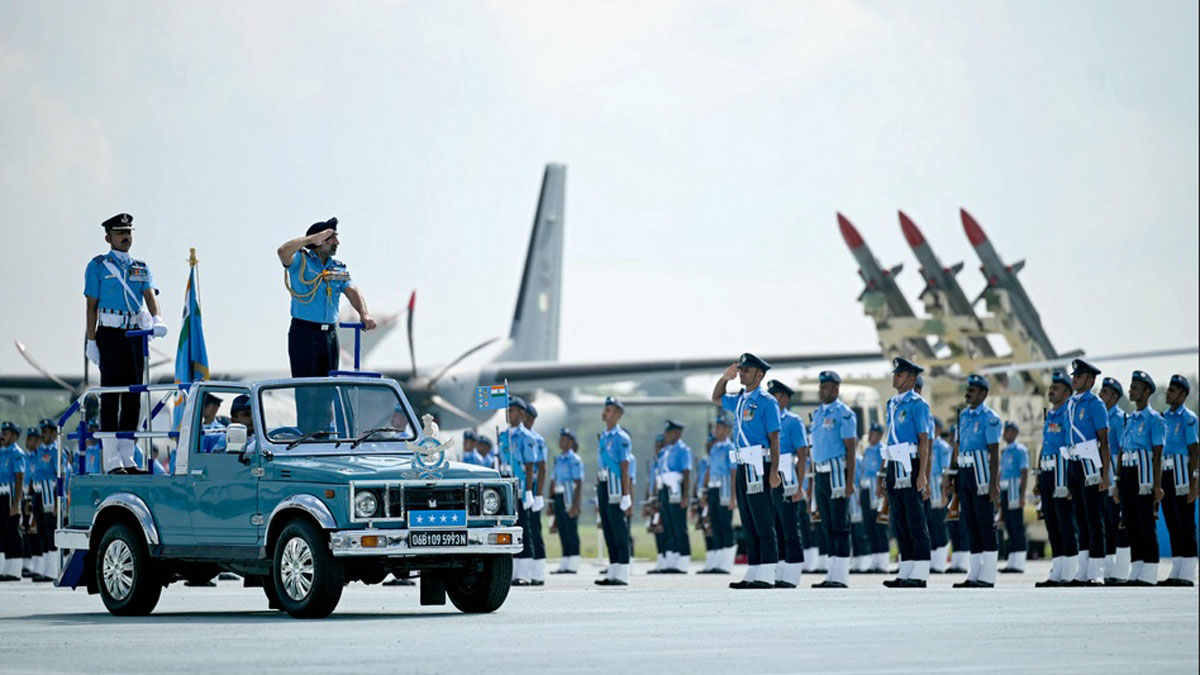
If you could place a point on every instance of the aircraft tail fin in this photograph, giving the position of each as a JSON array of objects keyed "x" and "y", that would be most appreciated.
[
  {"x": 534, "y": 332},
  {"x": 1017, "y": 266}
]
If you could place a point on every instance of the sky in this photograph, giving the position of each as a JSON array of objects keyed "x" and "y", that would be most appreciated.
[{"x": 709, "y": 146}]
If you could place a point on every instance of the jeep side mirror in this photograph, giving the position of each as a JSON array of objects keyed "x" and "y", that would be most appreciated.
[{"x": 235, "y": 439}]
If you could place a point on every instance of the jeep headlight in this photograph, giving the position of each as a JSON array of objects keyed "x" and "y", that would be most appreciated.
[
  {"x": 365, "y": 504},
  {"x": 491, "y": 501}
]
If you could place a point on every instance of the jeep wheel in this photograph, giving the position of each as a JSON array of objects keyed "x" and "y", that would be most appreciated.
[
  {"x": 128, "y": 584},
  {"x": 483, "y": 591},
  {"x": 308, "y": 580}
]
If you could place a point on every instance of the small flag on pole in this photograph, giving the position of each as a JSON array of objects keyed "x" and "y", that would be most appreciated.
[
  {"x": 191, "y": 359},
  {"x": 491, "y": 397}
]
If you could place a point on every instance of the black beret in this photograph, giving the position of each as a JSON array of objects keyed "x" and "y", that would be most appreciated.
[
  {"x": 531, "y": 410},
  {"x": 777, "y": 387},
  {"x": 321, "y": 226},
  {"x": 903, "y": 365},
  {"x": 829, "y": 376},
  {"x": 484, "y": 440},
  {"x": 1081, "y": 367},
  {"x": 209, "y": 399},
  {"x": 749, "y": 360},
  {"x": 9, "y": 426},
  {"x": 518, "y": 403},
  {"x": 121, "y": 221},
  {"x": 469, "y": 435},
  {"x": 33, "y": 431},
  {"x": 48, "y": 423},
  {"x": 241, "y": 403},
  {"x": 1012, "y": 425},
  {"x": 1181, "y": 382},
  {"x": 1061, "y": 378},
  {"x": 876, "y": 426},
  {"x": 980, "y": 381},
  {"x": 1115, "y": 384}
]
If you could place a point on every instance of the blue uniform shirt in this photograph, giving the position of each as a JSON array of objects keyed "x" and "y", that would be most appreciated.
[
  {"x": 719, "y": 466},
  {"x": 1116, "y": 430},
  {"x": 316, "y": 288},
  {"x": 616, "y": 447},
  {"x": 1054, "y": 431},
  {"x": 832, "y": 424},
  {"x": 539, "y": 446},
  {"x": 1144, "y": 429},
  {"x": 568, "y": 468},
  {"x": 792, "y": 435},
  {"x": 756, "y": 415},
  {"x": 869, "y": 464},
  {"x": 45, "y": 464},
  {"x": 12, "y": 462},
  {"x": 939, "y": 459},
  {"x": 523, "y": 450},
  {"x": 488, "y": 460},
  {"x": 907, "y": 417},
  {"x": 1180, "y": 430},
  {"x": 100, "y": 283},
  {"x": 701, "y": 467},
  {"x": 1088, "y": 417},
  {"x": 678, "y": 457},
  {"x": 1013, "y": 459},
  {"x": 978, "y": 428}
]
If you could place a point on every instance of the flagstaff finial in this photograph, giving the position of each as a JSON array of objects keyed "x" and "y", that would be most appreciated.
[{"x": 192, "y": 257}]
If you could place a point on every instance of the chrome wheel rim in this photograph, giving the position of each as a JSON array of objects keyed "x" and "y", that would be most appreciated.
[
  {"x": 296, "y": 569},
  {"x": 118, "y": 570}
]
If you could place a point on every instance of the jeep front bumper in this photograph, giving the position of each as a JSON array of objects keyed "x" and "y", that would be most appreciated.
[{"x": 391, "y": 543}]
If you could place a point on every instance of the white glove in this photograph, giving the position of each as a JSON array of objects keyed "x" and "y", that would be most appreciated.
[
  {"x": 539, "y": 503},
  {"x": 159, "y": 328},
  {"x": 527, "y": 500},
  {"x": 626, "y": 502},
  {"x": 92, "y": 352}
]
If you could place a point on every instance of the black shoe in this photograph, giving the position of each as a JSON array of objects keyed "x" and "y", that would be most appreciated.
[
  {"x": 537, "y": 582},
  {"x": 603, "y": 571},
  {"x": 603, "y": 582},
  {"x": 656, "y": 571},
  {"x": 783, "y": 584},
  {"x": 955, "y": 570},
  {"x": 1170, "y": 581},
  {"x": 25, "y": 573},
  {"x": 1113, "y": 581},
  {"x": 520, "y": 582},
  {"x": 1138, "y": 582},
  {"x": 720, "y": 571},
  {"x": 1011, "y": 570},
  {"x": 1049, "y": 583},
  {"x": 933, "y": 571},
  {"x": 893, "y": 583},
  {"x": 41, "y": 578},
  {"x": 9, "y": 577},
  {"x": 1184, "y": 582},
  {"x": 983, "y": 584},
  {"x": 912, "y": 583},
  {"x": 397, "y": 581},
  {"x": 856, "y": 571},
  {"x": 739, "y": 585},
  {"x": 829, "y": 584},
  {"x": 966, "y": 583},
  {"x": 562, "y": 572},
  {"x": 617, "y": 582},
  {"x": 1074, "y": 583}
]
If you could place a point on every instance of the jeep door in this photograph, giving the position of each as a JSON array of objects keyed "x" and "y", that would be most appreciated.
[{"x": 224, "y": 486}]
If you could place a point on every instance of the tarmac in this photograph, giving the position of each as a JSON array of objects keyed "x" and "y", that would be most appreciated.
[{"x": 659, "y": 624}]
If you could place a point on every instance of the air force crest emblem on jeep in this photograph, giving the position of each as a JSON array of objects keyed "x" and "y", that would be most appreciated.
[{"x": 429, "y": 454}]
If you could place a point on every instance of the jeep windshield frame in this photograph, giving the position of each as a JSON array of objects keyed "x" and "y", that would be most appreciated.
[{"x": 343, "y": 408}]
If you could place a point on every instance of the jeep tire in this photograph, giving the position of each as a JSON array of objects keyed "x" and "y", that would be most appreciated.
[
  {"x": 483, "y": 591},
  {"x": 307, "y": 579},
  {"x": 125, "y": 574}
]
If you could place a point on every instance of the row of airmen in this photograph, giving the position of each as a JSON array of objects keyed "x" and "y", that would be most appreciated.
[{"x": 28, "y": 482}]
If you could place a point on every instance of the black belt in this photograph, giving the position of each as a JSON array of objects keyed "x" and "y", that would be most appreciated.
[{"x": 313, "y": 324}]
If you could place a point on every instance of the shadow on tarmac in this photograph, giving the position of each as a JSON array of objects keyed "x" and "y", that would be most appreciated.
[{"x": 266, "y": 616}]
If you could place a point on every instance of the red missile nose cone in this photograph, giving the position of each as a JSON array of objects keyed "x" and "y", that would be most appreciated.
[
  {"x": 911, "y": 233},
  {"x": 974, "y": 231},
  {"x": 849, "y": 233}
]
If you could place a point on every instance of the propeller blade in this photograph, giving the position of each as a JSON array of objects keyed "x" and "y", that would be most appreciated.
[
  {"x": 38, "y": 367},
  {"x": 445, "y": 369},
  {"x": 412, "y": 354},
  {"x": 449, "y": 407}
]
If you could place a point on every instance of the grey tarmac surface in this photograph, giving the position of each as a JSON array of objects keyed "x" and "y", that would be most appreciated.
[{"x": 664, "y": 624}]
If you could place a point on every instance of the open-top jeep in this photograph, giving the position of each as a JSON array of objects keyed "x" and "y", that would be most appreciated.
[{"x": 329, "y": 480}]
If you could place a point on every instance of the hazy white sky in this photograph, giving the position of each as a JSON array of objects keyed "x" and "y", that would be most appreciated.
[{"x": 709, "y": 146}]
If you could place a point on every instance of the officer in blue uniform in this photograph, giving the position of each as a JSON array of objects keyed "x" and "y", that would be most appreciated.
[
  {"x": 486, "y": 452},
  {"x": 1116, "y": 538},
  {"x": 719, "y": 481},
  {"x": 44, "y": 474},
  {"x": 1139, "y": 480},
  {"x": 756, "y": 420},
  {"x": 834, "y": 442},
  {"x": 468, "y": 447},
  {"x": 960, "y": 557},
  {"x": 614, "y": 492},
  {"x": 31, "y": 541},
  {"x": 653, "y": 509},
  {"x": 121, "y": 296},
  {"x": 1181, "y": 458},
  {"x": 566, "y": 490},
  {"x": 1088, "y": 468},
  {"x": 675, "y": 474},
  {"x": 793, "y": 457},
  {"x": 1014, "y": 479},
  {"x": 976, "y": 459},
  {"x": 522, "y": 451},
  {"x": 316, "y": 281},
  {"x": 935, "y": 507},
  {"x": 12, "y": 493},
  {"x": 1051, "y": 485},
  {"x": 538, "y": 570},
  {"x": 870, "y": 496},
  {"x": 908, "y": 447}
]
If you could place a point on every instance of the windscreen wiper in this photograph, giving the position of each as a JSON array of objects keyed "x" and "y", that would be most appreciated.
[
  {"x": 310, "y": 435},
  {"x": 369, "y": 433}
]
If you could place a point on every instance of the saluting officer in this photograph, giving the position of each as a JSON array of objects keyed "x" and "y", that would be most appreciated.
[
  {"x": 1181, "y": 456},
  {"x": 1116, "y": 538},
  {"x": 977, "y": 460},
  {"x": 538, "y": 571},
  {"x": 867, "y": 470},
  {"x": 12, "y": 493},
  {"x": 793, "y": 456},
  {"x": 614, "y": 492},
  {"x": 908, "y": 447},
  {"x": 1088, "y": 469},
  {"x": 121, "y": 296},
  {"x": 1051, "y": 485},
  {"x": 1139, "y": 480},
  {"x": 719, "y": 479},
  {"x": 566, "y": 488},
  {"x": 756, "y": 421},
  {"x": 1014, "y": 478},
  {"x": 835, "y": 436},
  {"x": 935, "y": 507}
]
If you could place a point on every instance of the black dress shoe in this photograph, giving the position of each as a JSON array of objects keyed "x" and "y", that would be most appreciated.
[
  {"x": 656, "y": 571},
  {"x": 40, "y": 579},
  {"x": 537, "y": 582},
  {"x": 1138, "y": 582},
  {"x": 893, "y": 583},
  {"x": 715, "y": 571},
  {"x": 9, "y": 577},
  {"x": 966, "y": 583},
  {"x": 784, "y": 584},
  {"x": 520, "y": 582},
  {"x": 955, "y": 570},
  {"x": 1113, "y": 581},
  {"x": 743, "y": 584},
  {"x": 983, "y": 584},
  {"x": 912, "y": 583},
  {"x": 1049, "y": 583},
  {"x": 226, "y": 576},
  {"x": 1170, "y": 581},
  {"x": 1011, "y": 570},
  {"x": 1184, "y": 582},
  {"x": 603, "y": 582},
  {"x": 25, "y": 574},
  {"x": 1075, "y": 583},
  {"x": 933, "y": 571},
  {"x": 829, "y": 584}
]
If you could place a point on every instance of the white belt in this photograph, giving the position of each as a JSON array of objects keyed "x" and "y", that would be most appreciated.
[
  {"x": 4, "y": 490},
  {"x": 559, "y": 489},
  {"x": 750, "y": 455},
  {"x": 1084, "y": 450},
  {"x": 966, "y": 459},
  {"x": 673, "y": 480},
  {"x": 1049, "y": 462},
  {"x": 601, "y": 475},
  {"x": 903, "y": 453},
  {"x": 1130, "y": 458},
  {"x": 714, "y": 484}
]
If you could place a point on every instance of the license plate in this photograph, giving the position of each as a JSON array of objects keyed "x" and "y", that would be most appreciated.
[{"x": 437, "y": 538}]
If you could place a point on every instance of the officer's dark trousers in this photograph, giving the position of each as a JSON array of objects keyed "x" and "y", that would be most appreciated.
[
  {"x": 313, "y": 352},
  {"x": 860, "y": 543},
  {"x": 568, "y": 527},
  {"x": 1137, "y": 514},
  {"x": 1179, "y": 516},
  {"x": 808, "y": 534},
  {"x": 908, "y": 514},
  {"x": 121, "y": 364},
  {"x": 674, "y": 524},
  {"x": 535, "y": 529},
  {"x": 877, "y": 532},
  {"x": 1089, "y": 513},
  {"x": 978, "y": 514},
  {"x": 1059, "y": 516},
  {"x": 835, "y": 517},
  {"x": 787, "y": 529},
  {"x": 954, "y": 532},
  {"x": 616, "y": 528},
  {"x": 35, "y": 542},
  {"x": 10, "y": 531},
  {"x": 721, "y": 518},
  {"x": 758, "y": 519},
  {"x": 1014, "y": 525},
  {"x": 936, "y": 519},
  {"x": 1114, "y": 535},
  {"x": 661, "y": 542},
  {"x": 526, "y": 532}
]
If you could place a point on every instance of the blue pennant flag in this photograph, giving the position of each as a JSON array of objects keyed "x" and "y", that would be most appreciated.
[
  {"x": 491, "y": 397},
  {"x": 191, "y": 359}
]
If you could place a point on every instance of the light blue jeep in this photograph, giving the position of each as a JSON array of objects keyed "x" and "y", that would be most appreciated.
[{"x": 329, "y": 480}]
